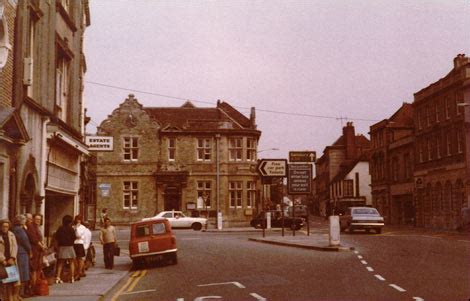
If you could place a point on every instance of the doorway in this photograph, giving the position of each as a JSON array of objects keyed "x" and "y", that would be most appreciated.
[{"x": 172, "y": 198}]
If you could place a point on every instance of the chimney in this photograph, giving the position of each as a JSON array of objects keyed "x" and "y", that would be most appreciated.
[
  {"x": 349, "y": 136},
  {"x": 460, "y": 60},
  {"x": 253, "y": 118}
]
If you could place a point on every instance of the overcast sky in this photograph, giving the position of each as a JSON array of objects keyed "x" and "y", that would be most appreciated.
[{"x": 354, "y": 59}]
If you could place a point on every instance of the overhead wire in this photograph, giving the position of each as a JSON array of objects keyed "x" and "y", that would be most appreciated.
[{"x": 235, "y": 106}]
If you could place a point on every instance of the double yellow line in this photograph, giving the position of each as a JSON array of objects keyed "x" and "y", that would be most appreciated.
[{"x": 130, "y": 283}]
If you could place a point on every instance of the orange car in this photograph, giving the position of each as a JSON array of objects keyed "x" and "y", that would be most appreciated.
[{"x": 152, "y": 240}]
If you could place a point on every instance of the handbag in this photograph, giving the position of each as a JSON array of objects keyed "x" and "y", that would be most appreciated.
[
  {"x": 117, "y": 251},
  {"x": 41, "y": 288},
  {"x": 3, "y": 272},
  {"x": 13, "y": 275}
]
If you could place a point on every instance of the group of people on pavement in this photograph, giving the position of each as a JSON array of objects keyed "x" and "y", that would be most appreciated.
[{"x": 22, "y": 245}]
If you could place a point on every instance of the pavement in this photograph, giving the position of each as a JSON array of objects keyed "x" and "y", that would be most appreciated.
[{"x": 96, "y": 284}]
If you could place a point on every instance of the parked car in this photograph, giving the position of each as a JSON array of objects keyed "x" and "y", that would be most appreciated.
[
  {"x": 259, "y": 221},
  {"x": 152, "y": 240},
  {"x": 300, "y": 210},
  {"x": 367, "y": 218},
  {"x": 177, "y": 219}
]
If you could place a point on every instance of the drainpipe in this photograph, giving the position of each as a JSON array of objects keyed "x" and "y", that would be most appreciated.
[
  {"x": 44, "y": 173},
  {"x": 217, "y": 180}
]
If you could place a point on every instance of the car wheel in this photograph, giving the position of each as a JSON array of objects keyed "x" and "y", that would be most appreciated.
[
  {"x": 196, "y": 226},
  {"x": 174, "y": 257},
  {"x": 378, "y": 230}
]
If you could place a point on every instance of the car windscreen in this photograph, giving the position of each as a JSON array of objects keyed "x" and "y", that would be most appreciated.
[{"x": 365, "y": 211}]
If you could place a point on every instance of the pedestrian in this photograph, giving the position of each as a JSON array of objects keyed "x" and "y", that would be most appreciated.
[
  {"x": 8, "y": 253},
  {"x": 24, "y": 252},
  {"x": 65, "y": 237},
  {"x": 37, "y": 245},
  {"x": 79, "y": 247},
  {"x": 108, "y": 240},
  {"x": 87, "y": 244},
  {"x": 103, "y": 215}
]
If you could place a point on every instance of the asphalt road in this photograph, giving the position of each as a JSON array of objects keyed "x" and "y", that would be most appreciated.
[{"x": 389, "y": 266}]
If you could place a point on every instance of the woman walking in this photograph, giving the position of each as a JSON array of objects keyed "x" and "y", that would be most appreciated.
[
  {"x": 24, "y": 250},
  {"x": 65, "y": 237},
  {"x": 8, "y": 253},
  {"x": 108, "y": 240}
]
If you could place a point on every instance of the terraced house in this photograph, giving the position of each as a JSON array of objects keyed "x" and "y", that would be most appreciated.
[
  {"x": 199, "y": 160},
  {"x": 442, "y": 164}
]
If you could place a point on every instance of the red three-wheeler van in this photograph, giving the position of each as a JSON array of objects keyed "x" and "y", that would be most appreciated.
[{"x": 152, "y": 240}]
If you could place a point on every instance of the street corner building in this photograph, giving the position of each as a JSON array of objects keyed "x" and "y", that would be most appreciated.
[
  {"x": 41, "y": 109},
  {"x": 342, "y": 173},
  {"x": 198, "y": 160}
]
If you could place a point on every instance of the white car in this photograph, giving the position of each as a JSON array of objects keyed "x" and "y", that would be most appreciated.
[{"x": 177, "y": 219}]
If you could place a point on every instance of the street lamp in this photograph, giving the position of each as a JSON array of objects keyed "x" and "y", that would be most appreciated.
[{"x": 267, "y": 149}]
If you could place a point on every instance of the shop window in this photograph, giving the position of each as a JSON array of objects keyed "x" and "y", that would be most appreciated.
[
  {"x": 235, "y": 149},
  {"x": 235, "y": 194},
  {"x": 131, "y": 148},
  {"x": 130, "y": 195},
  {"x": 204, "y": 149}
]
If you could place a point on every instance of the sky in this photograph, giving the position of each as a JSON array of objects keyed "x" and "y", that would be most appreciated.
[{"x": 306, "y": 66}]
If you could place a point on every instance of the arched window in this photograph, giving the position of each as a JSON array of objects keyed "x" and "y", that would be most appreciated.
[
  {"x": 438, "y": 197},
  {"x": 428, "y": 205},
  {"x": 448, "y": 196},
  {"x": 459, "y": 199}
]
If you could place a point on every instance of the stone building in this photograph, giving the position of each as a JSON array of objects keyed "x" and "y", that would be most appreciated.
[
  {"x": 442, "y": 165},
  {"x": 392, "y": 164},
  {"x": 48, "y": 84},
  {"x": 12, "y": 131},
  {"x": 336, "y": 158},
  {"x": 198, "y": 160}
]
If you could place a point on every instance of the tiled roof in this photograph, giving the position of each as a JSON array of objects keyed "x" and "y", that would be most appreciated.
[{"x": 189, "y": 117}]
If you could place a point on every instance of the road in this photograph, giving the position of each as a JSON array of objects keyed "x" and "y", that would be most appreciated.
[{"x": 390, "y": 266}]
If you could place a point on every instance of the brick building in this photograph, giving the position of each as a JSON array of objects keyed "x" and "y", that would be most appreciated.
[
  {"x": 12, "y": 131},
  {"x": 336, "y": 159},
  {"x": 184, "y": 158},
  {"x": 47, "y": 94},
  {"x": 391, "y": 169},
  {"x": 442, "y": 149}
]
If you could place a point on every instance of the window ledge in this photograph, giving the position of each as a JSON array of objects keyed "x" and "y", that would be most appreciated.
[{"x": 66, "y": 16}]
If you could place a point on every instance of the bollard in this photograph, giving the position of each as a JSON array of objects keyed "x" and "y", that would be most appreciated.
[{"x": 334, "y": 230}]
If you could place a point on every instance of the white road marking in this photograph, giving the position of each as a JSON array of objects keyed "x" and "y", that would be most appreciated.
[
  {"x": 356, "y": 252},
  {"x": 237, "y": 284},
  {"x": 370, "y": 269},
  {"x": 207, "y": 297},
  {"x": 258, "y": 297},
  {"x": 359, "y": 256},
  {"x": 363, "y": 262},
  {"x": 379, "y": 277},
  {"x": 139, "y": 292},
  {"x": 418, "y": 298},
  {"x": 397, "y": 288}
]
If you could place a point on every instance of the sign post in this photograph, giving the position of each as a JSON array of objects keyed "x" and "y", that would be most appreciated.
[{"x": 299, "y": 180}]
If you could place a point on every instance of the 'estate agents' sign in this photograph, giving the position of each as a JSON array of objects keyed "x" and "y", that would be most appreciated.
[{"x": 99, "y": 143}]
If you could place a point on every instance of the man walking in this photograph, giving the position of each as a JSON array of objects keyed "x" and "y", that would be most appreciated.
[{"x": 108, "y": 240}]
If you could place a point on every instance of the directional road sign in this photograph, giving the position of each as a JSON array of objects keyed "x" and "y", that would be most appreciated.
[
  {"x": 272, "y": 167},
  {"x": 305, "y": 156},
  {"x": 299, "y": 180}
]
